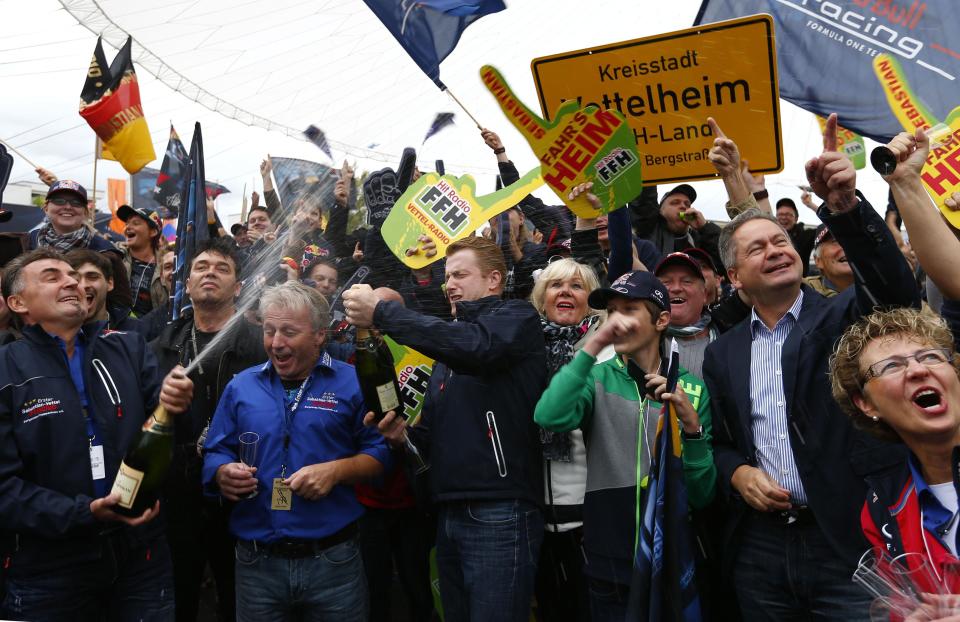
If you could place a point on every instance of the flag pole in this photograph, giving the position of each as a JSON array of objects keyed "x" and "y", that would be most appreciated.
[
  {"x": 447, "y": 90},
  {"x": 14, "y": 149},
  {"x": 96, "y": 145}
]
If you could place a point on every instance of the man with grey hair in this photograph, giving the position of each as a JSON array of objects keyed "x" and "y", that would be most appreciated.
[
  {"x": 789, "y": 463},
  {"x": 296, "y": 515}
]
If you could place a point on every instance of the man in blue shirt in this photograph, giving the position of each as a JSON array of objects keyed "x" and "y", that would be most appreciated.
[
  {"x": 295, "y": 520},
  {"x": 790, "y": 466}
]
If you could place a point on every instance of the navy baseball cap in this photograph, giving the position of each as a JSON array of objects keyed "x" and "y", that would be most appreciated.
[
  {"x": 237, "y": 228},
  {"x": 637, "y": 285},
  {"x": 823, "y": 235},
  {"x": 684, "y": 189},
  {"x": 125, "y": 212},
  {"x": 66, "y": 185},
  {"x": 680, "y": 259}
]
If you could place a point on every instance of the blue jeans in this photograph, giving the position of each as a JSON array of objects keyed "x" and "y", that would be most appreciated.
[
  {"x": 790, "y": 572},
  {"x": 487, "y": 559},
  {"x": 124, "y": 584},
  {"x": 328, "y": 586}
]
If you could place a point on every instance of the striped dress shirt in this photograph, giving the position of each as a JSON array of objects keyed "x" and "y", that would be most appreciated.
[{"x": 768, "y": 405}]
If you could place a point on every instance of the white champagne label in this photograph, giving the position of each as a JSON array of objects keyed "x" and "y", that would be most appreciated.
[
  {"x": 127, "y": 484},
  {"x": 388, "y": 397}
]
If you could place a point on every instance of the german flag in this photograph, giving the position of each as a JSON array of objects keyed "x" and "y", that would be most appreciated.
[{"x": 110, "y": 103}]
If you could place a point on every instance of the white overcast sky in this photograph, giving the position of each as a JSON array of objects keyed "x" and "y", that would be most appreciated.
[{"x": 325, "y": 62}]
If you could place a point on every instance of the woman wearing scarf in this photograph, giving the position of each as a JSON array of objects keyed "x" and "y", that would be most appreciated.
[
  {"x": 65, "y": 228},
  {"x": 560, "y": 296}
]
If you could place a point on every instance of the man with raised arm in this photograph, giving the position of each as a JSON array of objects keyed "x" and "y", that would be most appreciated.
[
  {"x": 477, "y": 427},
  {"x": 789, "y": 463}
]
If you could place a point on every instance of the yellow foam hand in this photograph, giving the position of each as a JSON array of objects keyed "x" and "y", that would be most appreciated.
[
  {"x": 577, "y": 146},
  {"x": 941, "y": 173},
  {"x": 446, "y": 209}
]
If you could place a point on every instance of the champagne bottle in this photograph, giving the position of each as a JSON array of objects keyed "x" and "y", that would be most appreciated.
[
  {"x": 376, "y": 374},
  {"x": 145, "y": 466}
]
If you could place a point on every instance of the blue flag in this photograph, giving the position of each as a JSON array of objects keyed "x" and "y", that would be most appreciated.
[
  {"x": 825, "y": 51},
  {"x": 191, "y": 226},
  {"x": 662, "y": 587},
  {"x": 442, "y": 120},
  {"x": 429, "y": 29},
  {"x": 315, "y": 135}
]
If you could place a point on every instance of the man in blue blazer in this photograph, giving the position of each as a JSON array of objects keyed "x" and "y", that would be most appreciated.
[{"x": 789, "y": 462}]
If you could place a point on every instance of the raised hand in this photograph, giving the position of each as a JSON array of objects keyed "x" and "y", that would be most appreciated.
[
  {"x": 724, "y": 155},
  {"x": 831, "y": 174},
  {"x": 576, "y": 146}
]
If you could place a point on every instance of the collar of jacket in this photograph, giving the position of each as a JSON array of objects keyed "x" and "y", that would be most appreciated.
[
  {"x": 471, "y": 309},
  {"x": 117, "y": 315},
  {"x": 36, "y": 334}
]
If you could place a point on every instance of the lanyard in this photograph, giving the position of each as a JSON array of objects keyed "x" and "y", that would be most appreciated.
[{"x": 289, "y": 412}]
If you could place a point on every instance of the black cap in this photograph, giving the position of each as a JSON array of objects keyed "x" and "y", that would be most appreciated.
[
  {"x": 684, "y": 189},
  {"x": 680, "y": 259},
  {"x": 823, "y": 235},
  {"x": 637, "y": 285},
  {"x": 125, "y": 212},
  {"x": 786, "y": 201},
  {"x": 237, "y": 227}
]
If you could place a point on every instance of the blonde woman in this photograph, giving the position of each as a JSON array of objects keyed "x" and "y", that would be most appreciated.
[{"x": 560, "y": 296}]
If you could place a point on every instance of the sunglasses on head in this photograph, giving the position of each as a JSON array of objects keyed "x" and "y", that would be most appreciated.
[{"x": 60, "y": 202}]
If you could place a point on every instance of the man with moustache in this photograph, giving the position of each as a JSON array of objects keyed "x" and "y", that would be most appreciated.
[
  {"x": 197, "y": 525},
  {"x": 836, "y": 274}
]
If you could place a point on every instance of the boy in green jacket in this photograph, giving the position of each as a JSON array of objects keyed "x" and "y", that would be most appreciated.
[{"x": 617, "y": 406}]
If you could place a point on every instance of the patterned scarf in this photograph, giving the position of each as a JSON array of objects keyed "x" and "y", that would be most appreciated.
[
  {"x": 48, "y": 237},
  {"x": 691, "y": 330},
  {"x": 560, "y": 341}
]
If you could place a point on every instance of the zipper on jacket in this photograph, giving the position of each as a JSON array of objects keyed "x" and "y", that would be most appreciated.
[
  {"x": 108, "y": 384},
  {"x": 494, "y": 434}
]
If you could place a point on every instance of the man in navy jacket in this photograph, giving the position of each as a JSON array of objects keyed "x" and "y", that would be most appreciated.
[
  {"x": 789, "y": 462},
  {"x": 477, "y": 426},
  {"x": 72, "y": 401}
]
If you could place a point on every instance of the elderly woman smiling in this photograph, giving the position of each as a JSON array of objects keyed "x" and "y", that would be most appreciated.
[
  {"x": 896, "y": 374},
  {"x": 560, "y": 296}
]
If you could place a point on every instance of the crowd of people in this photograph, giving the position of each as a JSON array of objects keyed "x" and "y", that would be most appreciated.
[{"x": 818, "y": 402}]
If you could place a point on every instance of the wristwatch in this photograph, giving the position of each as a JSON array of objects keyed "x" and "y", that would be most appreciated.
[
  {"x": 761, "y": 194},
  {"x": 696, "y": 436}
]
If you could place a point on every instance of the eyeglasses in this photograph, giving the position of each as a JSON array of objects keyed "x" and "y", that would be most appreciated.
[
  {"x": 60, "y": 202},
  {"x": 898, "y": 364}
]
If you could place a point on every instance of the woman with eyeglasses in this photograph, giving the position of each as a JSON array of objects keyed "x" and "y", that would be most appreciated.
[
  {"x": 560, "y": 296},
  {"x": 895, "y": 373}
]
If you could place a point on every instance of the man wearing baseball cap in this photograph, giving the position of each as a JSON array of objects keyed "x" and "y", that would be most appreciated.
[
  {"x": 690, "y": 322},
  {"x": 603, "y": 399},
  {"x": 836, "y": 274},
  {"x": 674, "y": 224},
  {"x": 144, "y": 233}
]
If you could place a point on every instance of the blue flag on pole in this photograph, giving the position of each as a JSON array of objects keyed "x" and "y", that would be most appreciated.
[
  {"x": 825, "y": 51},
  {"x": 442, "y": 120},
  {"x": 191, "y": 226},
  {"x": 429, "y": 29},
  {"x": 662, "y": 587}
]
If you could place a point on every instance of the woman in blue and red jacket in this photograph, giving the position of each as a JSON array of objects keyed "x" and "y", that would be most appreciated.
[{"x": 895, "y": 373}]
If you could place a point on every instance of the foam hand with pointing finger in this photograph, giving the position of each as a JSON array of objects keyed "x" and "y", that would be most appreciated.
[
  {"x": 577, "y": 146},
  {"x": 941, "y": 173},
  {"x": 436, "y": 211}
]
